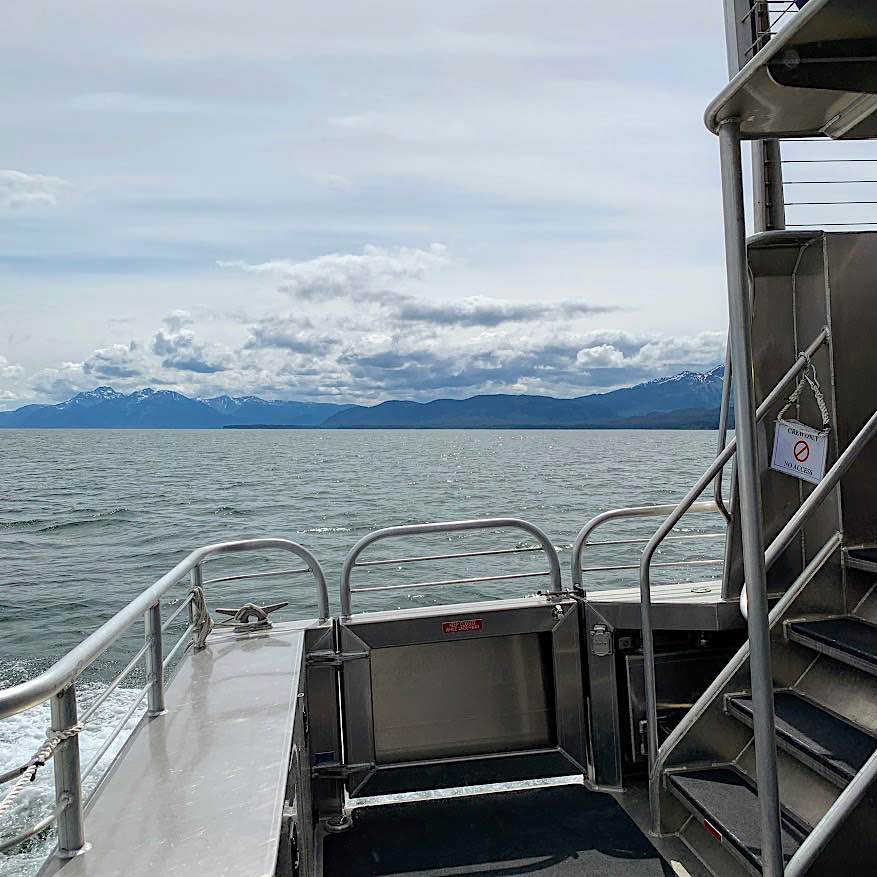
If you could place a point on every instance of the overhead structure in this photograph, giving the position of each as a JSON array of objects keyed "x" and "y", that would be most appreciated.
[{"x": 817, "y": 77}]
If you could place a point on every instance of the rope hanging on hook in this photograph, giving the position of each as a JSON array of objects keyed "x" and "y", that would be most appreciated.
[
  {"x": 812, "y": 381},
  {"x": 200, "y": 618}
]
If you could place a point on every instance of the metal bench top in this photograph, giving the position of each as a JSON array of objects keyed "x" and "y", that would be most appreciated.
[
  {"x": 679, "y": 606},
  {"x": 200, "y": 790}
]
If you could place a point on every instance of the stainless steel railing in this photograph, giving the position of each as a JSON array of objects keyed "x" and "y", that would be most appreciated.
[
  {"x": 702, "y": 704},
  {"x": 58, "y": 683},
  {"x": 583, "y": 539},
  {"x": 774, "y": 550},
  {"x": 693, "y": 495},
  {"x": 767, "y": 18},
  {"x": 352, "y": 561}
]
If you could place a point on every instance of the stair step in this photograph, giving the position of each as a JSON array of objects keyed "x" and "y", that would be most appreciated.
[
  {"x": 862, "y": 558},
  {"x": 843, "y": 638},
  {"x": 727, "y": 803},
  {"x": 832, "y": 746}
]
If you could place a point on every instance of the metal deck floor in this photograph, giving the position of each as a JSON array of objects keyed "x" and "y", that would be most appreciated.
[{"x": 559, "y": 830}]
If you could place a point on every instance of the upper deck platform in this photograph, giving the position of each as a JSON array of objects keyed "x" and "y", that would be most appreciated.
[{"x": 817, "y": 77}]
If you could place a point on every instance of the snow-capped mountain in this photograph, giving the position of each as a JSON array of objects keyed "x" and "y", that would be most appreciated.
[
  {"x": 104, "y": 408},
  {"x": 686, "y": 399}
]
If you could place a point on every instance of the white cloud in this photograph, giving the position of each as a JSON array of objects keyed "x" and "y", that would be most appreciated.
[
  {"x": 20, "y": 190},
  {"x": 358, "y": 276},
  {"x": 9, "y": 371}
]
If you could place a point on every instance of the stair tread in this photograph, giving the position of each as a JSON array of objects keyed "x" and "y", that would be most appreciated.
[
  {"x": 730, "y": 804},
  {"x": 827, "y": 739},
  {"x": 843, "y": 633}
]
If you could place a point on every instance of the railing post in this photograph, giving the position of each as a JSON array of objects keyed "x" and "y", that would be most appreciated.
[
  {"x": 155, "y": 660},
  {"x": 749, "y": 489},
  {"x": 68, "y": 784}
]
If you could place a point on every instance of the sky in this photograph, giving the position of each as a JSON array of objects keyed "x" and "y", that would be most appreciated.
[{"x": 351, "y": 201}]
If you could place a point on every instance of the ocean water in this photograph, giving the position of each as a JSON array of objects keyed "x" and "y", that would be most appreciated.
[{"x": 88, "y": 519}]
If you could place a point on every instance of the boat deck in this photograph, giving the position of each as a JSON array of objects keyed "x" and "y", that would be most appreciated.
[
  {"x": 200, "y": 789},
  {"x": 558, "y": 830}
]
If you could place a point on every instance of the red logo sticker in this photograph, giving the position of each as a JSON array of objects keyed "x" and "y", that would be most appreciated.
[{"x": 466, "y": 626}]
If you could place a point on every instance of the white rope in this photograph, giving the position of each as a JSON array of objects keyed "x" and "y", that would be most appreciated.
[
  {"x": 813, "y": 382},
  {"x": 200, "y": 618},
  {"x": 40, "y": 757}
]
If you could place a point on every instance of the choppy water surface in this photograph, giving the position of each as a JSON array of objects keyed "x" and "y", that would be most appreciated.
[{"x": 88, "y": 519}]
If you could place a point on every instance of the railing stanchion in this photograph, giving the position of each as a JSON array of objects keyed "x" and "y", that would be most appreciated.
[
  {"x": 68, "y": 784},
  {"x": 155, "y": 660}
]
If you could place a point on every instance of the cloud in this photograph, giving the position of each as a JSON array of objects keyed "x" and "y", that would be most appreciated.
[
  {"x": 357, "y": 276},
  {"x": 19, "y": 190},
  {"x": 182, "y": 351},
  {"x": 371, "y": 278},
  {"x": 9, "y": 371}
]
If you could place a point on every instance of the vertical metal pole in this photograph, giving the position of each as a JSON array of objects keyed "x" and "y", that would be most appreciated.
[
  {"x": 68, "y": 785},
  {"x": 749, "y": 489},
  {"x": 767, "y": 186},
  {"x": 155, "y": 661}
]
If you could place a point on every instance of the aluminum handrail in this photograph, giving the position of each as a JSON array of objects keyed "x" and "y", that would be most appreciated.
[
  {"x": 66, "y": 670},
  {"x": 350, "y": 562},
  {"x": 680, "y": 509},
  {"x": 644, "y": 511},
  {"x": 724, "y": 415},
  {"x": 825, "y": 829},
  {"x": 702, "y": 704},
  {"x": 58, "y": 683},
  {"x": 773, "y": 552}
]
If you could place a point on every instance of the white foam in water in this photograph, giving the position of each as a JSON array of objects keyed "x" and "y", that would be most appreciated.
[{"x": 21, "y": 736}]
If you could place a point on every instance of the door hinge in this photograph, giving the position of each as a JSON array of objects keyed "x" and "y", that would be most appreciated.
[
  {"x": 334, "y": 659},
  {"x": 340, "y": 771}
]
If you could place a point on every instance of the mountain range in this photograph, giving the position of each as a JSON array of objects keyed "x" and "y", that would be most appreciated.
[{"x": 686, "y": 400}]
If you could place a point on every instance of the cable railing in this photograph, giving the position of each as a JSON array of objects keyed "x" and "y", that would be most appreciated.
[
  {"x": 58, "y": 683},
  {"x": 584, "y": 541},
  {"x": 767, "y": 18},
  {"x": 352, "y": 562}
]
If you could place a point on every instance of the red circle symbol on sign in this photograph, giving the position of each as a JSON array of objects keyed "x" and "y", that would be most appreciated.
[{"x": 801, "y": 451}]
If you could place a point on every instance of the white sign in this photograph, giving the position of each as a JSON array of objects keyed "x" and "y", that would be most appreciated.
[{"x": 799, "y": 450}]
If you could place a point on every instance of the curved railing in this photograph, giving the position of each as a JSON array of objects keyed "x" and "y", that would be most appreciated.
[
  {"x": 57, "y": 684},
  {"x": 646, "y": 511},
  {"x": 352, "y": 562}
]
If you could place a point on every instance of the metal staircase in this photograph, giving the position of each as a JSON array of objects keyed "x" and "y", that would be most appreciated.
[
  {"x": 826, "y": 736},
  {"x": 771, "y": 771}
]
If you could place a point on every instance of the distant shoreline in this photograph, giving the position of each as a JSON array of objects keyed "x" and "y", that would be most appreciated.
[{"x": 495, "y": 428}]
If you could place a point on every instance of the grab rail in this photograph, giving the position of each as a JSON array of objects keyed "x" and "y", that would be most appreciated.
[
  {"x": 646, "y": 511},
  {"x": 724, "y": 416},
  {"x": 846, "y": 802},
  {"x": 648, "y": 641},
  {"x": 58, "y": 683},
  {"x": 350, "y": 562},
  {"x": 773, "y": 552},
  {"x": 832, "y": 544}
]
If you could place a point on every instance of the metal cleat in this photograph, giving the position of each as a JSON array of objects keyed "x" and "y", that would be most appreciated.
[{"x": 250, "y": 617}]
